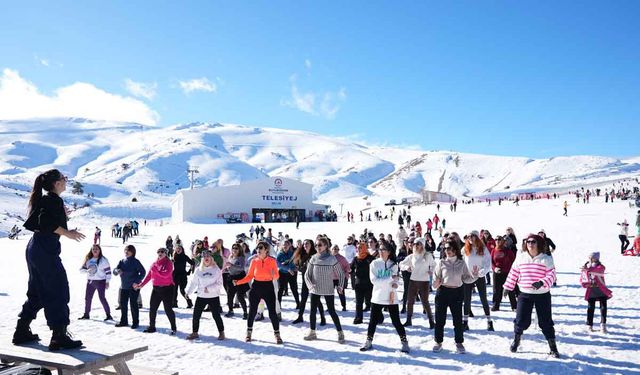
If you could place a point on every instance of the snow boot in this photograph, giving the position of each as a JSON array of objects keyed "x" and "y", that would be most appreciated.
[
  {"x": 193, "y": 336},
  {"x": 278, "y": 338},
  {"x": 341, "y": 337},
  {"x": 460, "y": 348},
  {"x": 221, "y": 335},
  {"x": 405, "y": 344},
  {"x": 311, "y": 335},
  {"x": 408, "y": 322},
  {"x": 248, "y": 337},
  {"x": 437, "y": 348},
  {"x": 368, "y": 345},
  {"x": 23, "y": 333},
  {"x": 553, "y": 349},
  {"x": 299, "y": 319},
  {"x": 61, "y": 339},
  {"x": 490, "y": 326},
  {"x": 515, "y": 343}
]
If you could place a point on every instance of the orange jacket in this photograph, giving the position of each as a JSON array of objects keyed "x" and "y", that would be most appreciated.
[{"x": 261, "y": 270}]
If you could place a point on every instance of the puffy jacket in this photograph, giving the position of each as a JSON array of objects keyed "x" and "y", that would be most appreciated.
[
  {"x": 207, "y": 281},
  {"x": 131, "y": 272},
  {"x": 97, "y": 269},
  {"x": 527, "y": 270},
  {"x": 592, "y": 278},
  {"x": 161, "y": 272},
  {"x": 482, "y": 262},
  {"x": 421, "y": 267},
  {"x": 285, "y": 261},
  {"x": 381, "y": 274}
]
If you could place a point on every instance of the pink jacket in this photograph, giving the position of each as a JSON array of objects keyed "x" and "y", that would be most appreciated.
[
  {"x": 344, "y": 264},
  {"x": 593, "y": 276},
  {"x": 161, "y": 272}
]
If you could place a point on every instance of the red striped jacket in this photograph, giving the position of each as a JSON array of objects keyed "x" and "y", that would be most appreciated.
[{"x": 526, "y": 270}]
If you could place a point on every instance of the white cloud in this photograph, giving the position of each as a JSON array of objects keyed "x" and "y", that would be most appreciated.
[
  {"x": 141, "y": 89},
  {"x": 20, "y": 99},
  {"x": 328, "y": 106},
  {"x": 307, "y": 63},
  {"x": 198, "y": 84}
]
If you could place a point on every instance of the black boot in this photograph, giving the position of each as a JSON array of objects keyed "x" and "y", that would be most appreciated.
[
  {"x": 465, "y": 325},
  {"x": 189, "y": 303},
  {"x": 515, "y": 343},
  {"x": 23, "y": 333},
  {"x": 553, "y": 349},
  {"x": 408, "y": 322},
  {"x": 62, "y": 340}
]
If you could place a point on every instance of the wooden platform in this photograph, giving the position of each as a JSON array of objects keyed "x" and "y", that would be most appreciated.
[{"x": 94, "y": 357}]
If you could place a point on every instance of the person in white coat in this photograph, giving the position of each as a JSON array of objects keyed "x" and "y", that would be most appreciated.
[
  {"x": 478, "y": 260},
  {"x": 207, "y": 280},
  {"x": 421, "y": 265},
  {"x": 384, "y": 274}
]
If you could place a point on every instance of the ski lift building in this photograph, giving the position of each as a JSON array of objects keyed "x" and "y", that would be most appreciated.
[{"x": 429, "y": 196}]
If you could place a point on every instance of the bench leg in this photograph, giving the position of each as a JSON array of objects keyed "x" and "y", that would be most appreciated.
[{"x": 122, "y": 368}]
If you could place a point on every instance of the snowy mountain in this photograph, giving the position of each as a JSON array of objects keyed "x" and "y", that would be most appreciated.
[{"x": 118, "y": 161}]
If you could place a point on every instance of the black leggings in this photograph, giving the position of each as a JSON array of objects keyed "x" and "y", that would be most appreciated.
[
  {"x": 624, "y": 242},
  {"x": 288, "y": 279},
  {"x": 315, "y": 302},
  {"x": 303, "y": 301},
  {"x": 164, "y": 294},
  {"x": 592, "y": 307},
  {"x": 482, "y": 291},
  {"x": 180, "y": 281},
  {"x": 406, "y": 279},
  {"x": 214, "y": 306},
  {"x": 363, "y": 296},
  {"x": 376, "y": 316},
  {"x": 239, "y": 290},
  {"x": 449, "y": 298},
  {"x": 263, "y": 290},
  {"x": 498, "y": 288}
]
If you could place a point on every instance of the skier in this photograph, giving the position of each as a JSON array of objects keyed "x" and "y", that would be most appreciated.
[
  {"x": 161, "y": 273},
  {"x": 48, "y": 287},
  {"x": 98, "y": 272},
  {"x": 534, "y": 273},
  {"x": 592, "y": 278}
]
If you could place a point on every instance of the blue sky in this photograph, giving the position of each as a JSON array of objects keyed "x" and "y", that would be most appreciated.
[{"x": 536, "y": 79}]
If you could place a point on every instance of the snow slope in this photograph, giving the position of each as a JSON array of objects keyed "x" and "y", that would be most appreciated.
[{"x": 587, "y": 228}]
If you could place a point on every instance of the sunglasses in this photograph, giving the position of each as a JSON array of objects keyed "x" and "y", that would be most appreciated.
[
  {"x": 531, "y": 241},
  {"x": 448, "y": 248},
  {"x": 63, "y": 178},
  {"x": 319, "y": 244},
  {"x": 161, "y": 252},
  {"x": 260, "y": 247}
]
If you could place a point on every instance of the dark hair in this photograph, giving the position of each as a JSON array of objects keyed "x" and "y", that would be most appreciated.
[
  {"x": 44, "y": 181},
  {"x": 131, "y": 248},
  {"x": 90, "y": 254},
  {"x": 300, "y": 256},
  {"x": 454, "y": 245}
]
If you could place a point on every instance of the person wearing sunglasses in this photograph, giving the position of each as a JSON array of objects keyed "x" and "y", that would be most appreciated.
[
  {"x": 362, "y": 282},
  {"x": 207, "y": 280},
  {"x": 48, "y": 286},
  {"x": 449, "y": 276},
  {"x": 534, "y": 273},
  {"x": 262, "y": 271},
  {"x": 319, "y": 278},
  {"x": 478, "y": 260},
  {"x": 420, "y": 264},
  {"x": 161, "y": 272},
  {"x": 384, "y": 274},
  {"x": 301, "y": 260}
]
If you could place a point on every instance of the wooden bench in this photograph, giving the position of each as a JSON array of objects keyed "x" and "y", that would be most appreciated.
[{"x": 95, "y": 358}]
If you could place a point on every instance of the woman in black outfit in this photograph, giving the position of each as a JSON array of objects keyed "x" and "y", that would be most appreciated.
[
  {"x": 48, "y": 286},
  {"x": 180, "y": 272}
]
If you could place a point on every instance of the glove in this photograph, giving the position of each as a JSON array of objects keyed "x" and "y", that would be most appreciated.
[
  {"x": 505, "y": 293},
  {"x": 537, "y": 285},
  {"x": 497, "y": 270}
]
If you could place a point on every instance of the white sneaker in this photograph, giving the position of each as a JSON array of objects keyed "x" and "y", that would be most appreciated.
[
  {"x": 311, "y": 336},
  {"x": 437, "y": 348},
  {"x": 460, "y": 349}
]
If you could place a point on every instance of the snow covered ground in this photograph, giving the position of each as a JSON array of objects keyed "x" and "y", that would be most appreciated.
[{"x": 588, "y": 228}]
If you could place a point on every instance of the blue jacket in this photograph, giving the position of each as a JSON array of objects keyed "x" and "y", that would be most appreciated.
[
  {"x": 285, "y": 261},
  {"x": 130, "y": 271}
]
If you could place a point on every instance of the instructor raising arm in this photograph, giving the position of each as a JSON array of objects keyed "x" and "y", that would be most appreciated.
[{"x": 48, "y": 286}]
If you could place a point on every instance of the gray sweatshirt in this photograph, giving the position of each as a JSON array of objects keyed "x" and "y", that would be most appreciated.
[
  {"x": 453, "y": 272},
  {"x": 320, "y": 274}
]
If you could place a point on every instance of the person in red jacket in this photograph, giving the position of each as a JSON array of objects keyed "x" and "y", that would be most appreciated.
[
  {"x": 161, "y": 273},
  {"x": 501, "y": 260}
]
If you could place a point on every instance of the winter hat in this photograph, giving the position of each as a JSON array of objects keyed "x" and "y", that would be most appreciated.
[
  {"x": 536, "y": 237},
  {"x": 595, "y": 255},
  {"x": 474, "y": 233},
  {"x": 419, "y": 240},
  {"x": 542, "y": 231}
]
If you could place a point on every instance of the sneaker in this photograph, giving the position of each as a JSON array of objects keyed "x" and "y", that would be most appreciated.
[
  {"x": 460, "y": 349},
  {"x": 84, "y": 317},
  {"x": 193, "y": 336},
  {"x": 341, "y": 337},
  {"x": 149, "y": 329},
  {"x": 221, "y": 336},
  {"x": 368, "y": 345},
  {"x": 229, "y": 314},
  {"x": 437, "y": 348},
  {"x": 311, "y": 336}
]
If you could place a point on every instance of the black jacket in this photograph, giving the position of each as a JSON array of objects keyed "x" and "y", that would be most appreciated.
[
  {"x": 180, "y": 263},
  {"x": 360, "y": 268},
  {"x": 48, "y": 215}
]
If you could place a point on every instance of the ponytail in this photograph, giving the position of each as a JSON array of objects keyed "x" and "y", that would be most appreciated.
[{"x": 36, "y": 193}]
